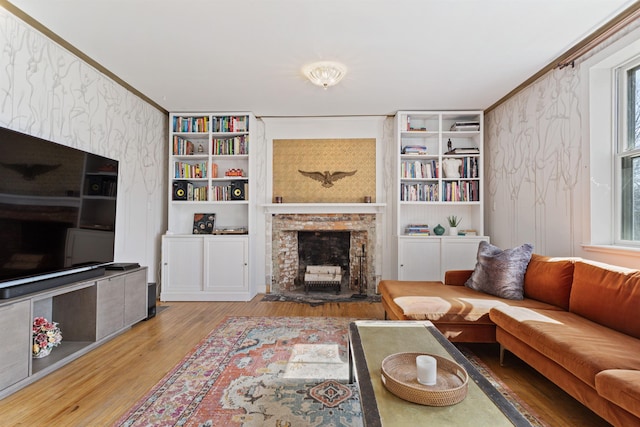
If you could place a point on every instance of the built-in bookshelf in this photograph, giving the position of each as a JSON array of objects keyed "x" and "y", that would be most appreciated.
[
  {"x": 439, "y": 174},
  {"x": 209, "y": 177}
]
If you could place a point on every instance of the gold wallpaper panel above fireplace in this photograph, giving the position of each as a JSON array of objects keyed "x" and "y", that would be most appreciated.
[{"x": 322, "y": 160}]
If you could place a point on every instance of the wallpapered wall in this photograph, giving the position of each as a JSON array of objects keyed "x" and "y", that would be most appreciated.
[
  {"x": 47, "y": 92},
  {"x": 537, "y": 165}
]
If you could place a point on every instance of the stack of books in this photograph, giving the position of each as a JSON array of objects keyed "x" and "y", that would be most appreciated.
[
  {"x": 421, "y": 229},
  {"x": 414, "y": 149}
]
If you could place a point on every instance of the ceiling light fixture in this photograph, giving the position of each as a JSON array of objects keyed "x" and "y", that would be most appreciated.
[{"x": 324, "y": 73}]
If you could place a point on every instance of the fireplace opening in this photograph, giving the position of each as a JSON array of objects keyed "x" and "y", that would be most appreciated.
[{"x": 324, "y": 248}]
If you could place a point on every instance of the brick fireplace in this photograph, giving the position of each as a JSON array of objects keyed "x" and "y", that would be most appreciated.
[{"x": 361, "y": 249}]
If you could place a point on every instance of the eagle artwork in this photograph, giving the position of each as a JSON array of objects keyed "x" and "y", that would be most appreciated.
[{"x": 327, "y": 178}]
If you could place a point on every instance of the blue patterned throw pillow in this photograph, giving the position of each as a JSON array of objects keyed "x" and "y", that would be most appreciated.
[{"x": 501, "y": 272}]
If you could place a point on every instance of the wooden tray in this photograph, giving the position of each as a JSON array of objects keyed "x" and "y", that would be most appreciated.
[{"x": 399, "y": 376}]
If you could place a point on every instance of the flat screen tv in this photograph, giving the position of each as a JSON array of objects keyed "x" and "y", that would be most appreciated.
[{"x": 57, "y": 213}]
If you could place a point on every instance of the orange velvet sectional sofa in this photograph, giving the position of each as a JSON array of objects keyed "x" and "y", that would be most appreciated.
[{"x": 578, "y": 325}]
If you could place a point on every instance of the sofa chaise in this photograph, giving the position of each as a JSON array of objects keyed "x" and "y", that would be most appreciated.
[{"x": 577, "y": 323}]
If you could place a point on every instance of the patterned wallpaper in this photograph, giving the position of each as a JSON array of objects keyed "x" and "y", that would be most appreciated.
[
  {"x": 537, "y": 163},
  {"x": 322, "y": 156},
  {"x": 47, "y": 92}
]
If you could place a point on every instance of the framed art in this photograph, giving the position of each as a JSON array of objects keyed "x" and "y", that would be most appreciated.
[{"x": 203, "y": 223}]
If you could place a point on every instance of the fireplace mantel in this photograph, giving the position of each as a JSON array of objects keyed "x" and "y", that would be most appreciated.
[{"x": 323, "y": 208}]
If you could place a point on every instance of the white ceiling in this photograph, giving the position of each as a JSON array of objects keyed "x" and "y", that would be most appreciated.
[{"x": 246, "y": 55}]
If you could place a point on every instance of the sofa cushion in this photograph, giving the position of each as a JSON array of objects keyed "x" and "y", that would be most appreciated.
[
  {"x": 579, "y": 345},
  {"x": 621, "y": 387},
  {"x": 500, "y": 272},
  {"x": 445, "y": 304},
  {"x": 608, "y": 295},
  {"x": 549, "y": 279}
]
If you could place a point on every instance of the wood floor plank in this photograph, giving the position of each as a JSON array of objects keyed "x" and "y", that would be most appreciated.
[{"x": 99, "y": 387}]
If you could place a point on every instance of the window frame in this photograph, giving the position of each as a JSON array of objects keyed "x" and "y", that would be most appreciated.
[{"x": 624, "y": 152}]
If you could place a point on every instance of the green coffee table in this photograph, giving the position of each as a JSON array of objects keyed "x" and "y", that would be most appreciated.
[{"x": 370, "y": 341}]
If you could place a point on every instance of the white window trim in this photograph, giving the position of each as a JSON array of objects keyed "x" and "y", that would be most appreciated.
[{"x": 599, "y": 133}]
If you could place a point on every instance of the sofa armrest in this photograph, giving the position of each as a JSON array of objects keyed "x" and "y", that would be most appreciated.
[{"x": 456, "y": 277}]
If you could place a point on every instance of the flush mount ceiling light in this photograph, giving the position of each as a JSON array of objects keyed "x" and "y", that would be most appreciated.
[{"x": 324, "y": 73}]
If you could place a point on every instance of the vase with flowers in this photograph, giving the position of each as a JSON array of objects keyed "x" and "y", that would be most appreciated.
[{"x": 46, "y": 335}]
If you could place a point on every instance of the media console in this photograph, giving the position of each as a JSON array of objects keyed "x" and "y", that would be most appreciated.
[{"x": 89, "y": 312}]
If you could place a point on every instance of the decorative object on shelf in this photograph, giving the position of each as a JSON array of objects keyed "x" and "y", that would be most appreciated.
[
  {"x": 327, "y": 178},
  {"x": 454, "y": 222},
  {"x": 45, "y": 336},
  {"x": 324, "y": 73},
  {"x": 367, "y": 199},
  {"x": 439, "y": 230},
  {"x": 203, "y": 223},
  {"x": 278, "y": 199},
  {"x": 451, "y": 167},
  {"x": 238, "y": 190}
]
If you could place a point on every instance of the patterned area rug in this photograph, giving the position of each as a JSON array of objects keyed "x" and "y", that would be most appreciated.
[
  {"x": 256, "y": 371},
  {"x": 277, "y": 371}
]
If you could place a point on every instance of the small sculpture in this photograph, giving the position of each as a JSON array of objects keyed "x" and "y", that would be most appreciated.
[
  {"x": 451, "y": 167},
  {"x": 439, "y": 230}
]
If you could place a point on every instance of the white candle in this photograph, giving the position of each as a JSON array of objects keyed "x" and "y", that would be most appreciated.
[{"x": 427, "y": 370}]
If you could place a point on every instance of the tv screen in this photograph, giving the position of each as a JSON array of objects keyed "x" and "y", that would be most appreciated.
[{"x": 57, "y": 209}]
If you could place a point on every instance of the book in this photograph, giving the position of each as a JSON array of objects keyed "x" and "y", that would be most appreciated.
[
  {"x": 466, "y": 126},
  {"x": 414, "y": 149},
  {"x": 464, "y": 150}
]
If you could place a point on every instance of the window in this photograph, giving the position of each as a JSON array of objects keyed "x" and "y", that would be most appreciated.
[{"x": 628, "y": 152}]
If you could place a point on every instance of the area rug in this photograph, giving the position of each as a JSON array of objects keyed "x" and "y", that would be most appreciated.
[
  {"x": 276, "y": 371},
  {"x": 318, "y": 298},
  {"x": 257, "y": 371}
]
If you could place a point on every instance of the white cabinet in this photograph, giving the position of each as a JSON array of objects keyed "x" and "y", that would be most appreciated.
[
  {"x": 428, "y": 258},
  {"x": 181, "y": 267},
  {"x": 225, "y": 271},
  {"x": 439, "y": 174},
  {"x": 205, "y": 268},
  {"x": 210, "y": 171},
  {"x": 419, "y": 259},
  {"x": 460, "y": 253}
]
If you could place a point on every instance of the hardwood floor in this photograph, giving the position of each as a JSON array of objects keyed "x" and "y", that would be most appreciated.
[{"x": 98, "y": 388}]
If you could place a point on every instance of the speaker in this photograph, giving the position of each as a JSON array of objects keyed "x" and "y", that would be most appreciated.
[
  {"x": 95, "y": 186},
  {"x": 237, "y": 190},
  {"x": 151, "y": 300},
  {"x": 180, "y": 190}
]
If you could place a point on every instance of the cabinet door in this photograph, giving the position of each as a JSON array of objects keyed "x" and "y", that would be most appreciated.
[
  {"x": 181, "y": 264},
  {"x": 459, "y": 253},
  {"x": 15, "y": 336},
  {"x": 419, "y": 259},
  {"x": 135, "y": 296},
  {"x": 226, "y": 266},
  {"x": 110, "y": 306}
]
